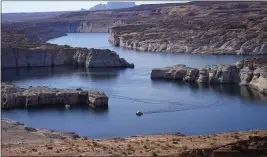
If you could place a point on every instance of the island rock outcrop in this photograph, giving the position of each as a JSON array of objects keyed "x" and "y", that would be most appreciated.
[
  {"x": 52, "y": 55},
  {"x": 15, "y": 97},
  {"x": 99, "y": 58},
  {"x": 246, "y": 72}
]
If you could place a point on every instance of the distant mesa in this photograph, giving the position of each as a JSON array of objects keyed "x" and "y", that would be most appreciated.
[
  {"x": 113, "y": 5},
  {"x": 82, "y": 9}
]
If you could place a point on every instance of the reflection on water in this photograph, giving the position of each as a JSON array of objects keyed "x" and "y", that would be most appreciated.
[
  {"x": 80, "y": 108},
  {"x": 110, "y": 74},
  {"x": 169, "y": 106},
  {"x": 229, "y": 90},
  {"x": 100, "y": 73},
  {"x": 11, "y": 74},
  {"x": 251, "y": 94},
  {"x": 62, "y": 108}
]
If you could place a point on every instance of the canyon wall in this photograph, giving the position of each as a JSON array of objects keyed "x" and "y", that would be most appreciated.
[
  {"x": 52, "y": 55},
  {"x": 16, "y": 97},
  {"x": 198, "y": 27},
  {"x": 245, "y": 72},
  {"x": 138, "y": 37},
  {"x": 77, "y": 26},
  {"x": 195, "y": 27}
]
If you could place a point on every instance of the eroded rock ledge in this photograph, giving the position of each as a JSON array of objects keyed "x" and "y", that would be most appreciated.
[
  {"x": 252, "y": 72},
  {"x": 198, "y": 27},
  {"x": 16, "y": 97},
  {"x": 53, "y": 55},
  {"x": 20, "y": 140}
]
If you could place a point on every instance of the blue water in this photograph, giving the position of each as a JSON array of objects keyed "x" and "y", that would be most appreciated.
[{"x": 168, "y": 106}]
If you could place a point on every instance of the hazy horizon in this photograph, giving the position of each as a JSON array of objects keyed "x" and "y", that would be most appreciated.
[{"x": 49, "y": 6}]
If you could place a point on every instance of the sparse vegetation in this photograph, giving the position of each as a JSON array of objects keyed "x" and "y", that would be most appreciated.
[
  {"x": 94, "y": 144},
  {"x": 185, "y": 147},
  {"x": 145, "y": 147},
  {"x": 34, "y": 150},
  {"x": 154, "y": 154},
  {"x": 49, "y": 147}
]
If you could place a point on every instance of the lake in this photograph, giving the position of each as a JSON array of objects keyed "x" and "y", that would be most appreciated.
[{"x": 168, "y": 106}]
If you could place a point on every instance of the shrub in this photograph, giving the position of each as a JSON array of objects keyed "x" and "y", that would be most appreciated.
[
  {"x": 154, "y": 154},
  {"x": 175, "y": 142}
]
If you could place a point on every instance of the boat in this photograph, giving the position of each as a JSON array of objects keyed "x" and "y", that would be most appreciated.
[
  {"x": 138, "y": 113},
  {"x": 67, "y": 106}
]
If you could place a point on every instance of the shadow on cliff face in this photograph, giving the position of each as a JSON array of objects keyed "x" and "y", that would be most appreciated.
[{"x": 229, "y": 90}]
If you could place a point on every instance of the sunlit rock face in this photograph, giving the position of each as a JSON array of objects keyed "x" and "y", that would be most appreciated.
[
  {"x": 198, "y": 27},
  {"x": 251, "y": 72},
  {"x": 16, "y": 97},
  {"x": 53, "y": 55}
]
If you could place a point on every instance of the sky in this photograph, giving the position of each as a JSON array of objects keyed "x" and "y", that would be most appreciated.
[{"x": 42, "y": 6}]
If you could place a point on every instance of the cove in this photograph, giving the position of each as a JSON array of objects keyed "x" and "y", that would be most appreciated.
[{"x": 168, "y": 106}]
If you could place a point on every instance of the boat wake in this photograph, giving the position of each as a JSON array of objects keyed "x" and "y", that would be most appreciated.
[
  {"x": 217, "y": 103},
  {"x": 146, "y": 101},
  {"x": 173, "y": 106}
]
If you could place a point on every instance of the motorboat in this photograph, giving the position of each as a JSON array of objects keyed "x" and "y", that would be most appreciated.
[
  {"x": 67, "y": 106},
  {"x": 139, "y": 113}
]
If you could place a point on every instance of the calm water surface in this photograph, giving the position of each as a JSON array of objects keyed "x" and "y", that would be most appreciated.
[{"x": 168, "y": 106}]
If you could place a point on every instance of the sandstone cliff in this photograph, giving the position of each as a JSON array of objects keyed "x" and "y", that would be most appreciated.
[
  {"x": 252, "y": 72},
  {"x": 199, "y": 27},
  {"x": 86, "y": 26},
  {"x": 39, "y": 56},
  {"x": 21, "y": 49},
  {"x": 52, "y": 55},
  {"x": 99, "y": 58},
  {"x": 15, "y": 97},
  {"x": 194, "y": 27}
]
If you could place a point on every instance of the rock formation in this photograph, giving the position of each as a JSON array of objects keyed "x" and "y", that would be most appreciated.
[
  {"x": 15, "y": 97},
  {"x": 194, "y": 27},
  {"x": 52, "y": 55},
  {"x": 198, "y": 27},
  {"x": 94, "y": 58},
  {"x": 113, "y": 5},
  {"x": 252, "y": 72},
  {"x": 22, "y": 49}
]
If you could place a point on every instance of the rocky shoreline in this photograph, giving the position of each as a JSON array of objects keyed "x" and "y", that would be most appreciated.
[
  {"x": 16, "y": 97},
  {"x": 20, "y": 140},
  {"x": 252, "y": 72}
]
